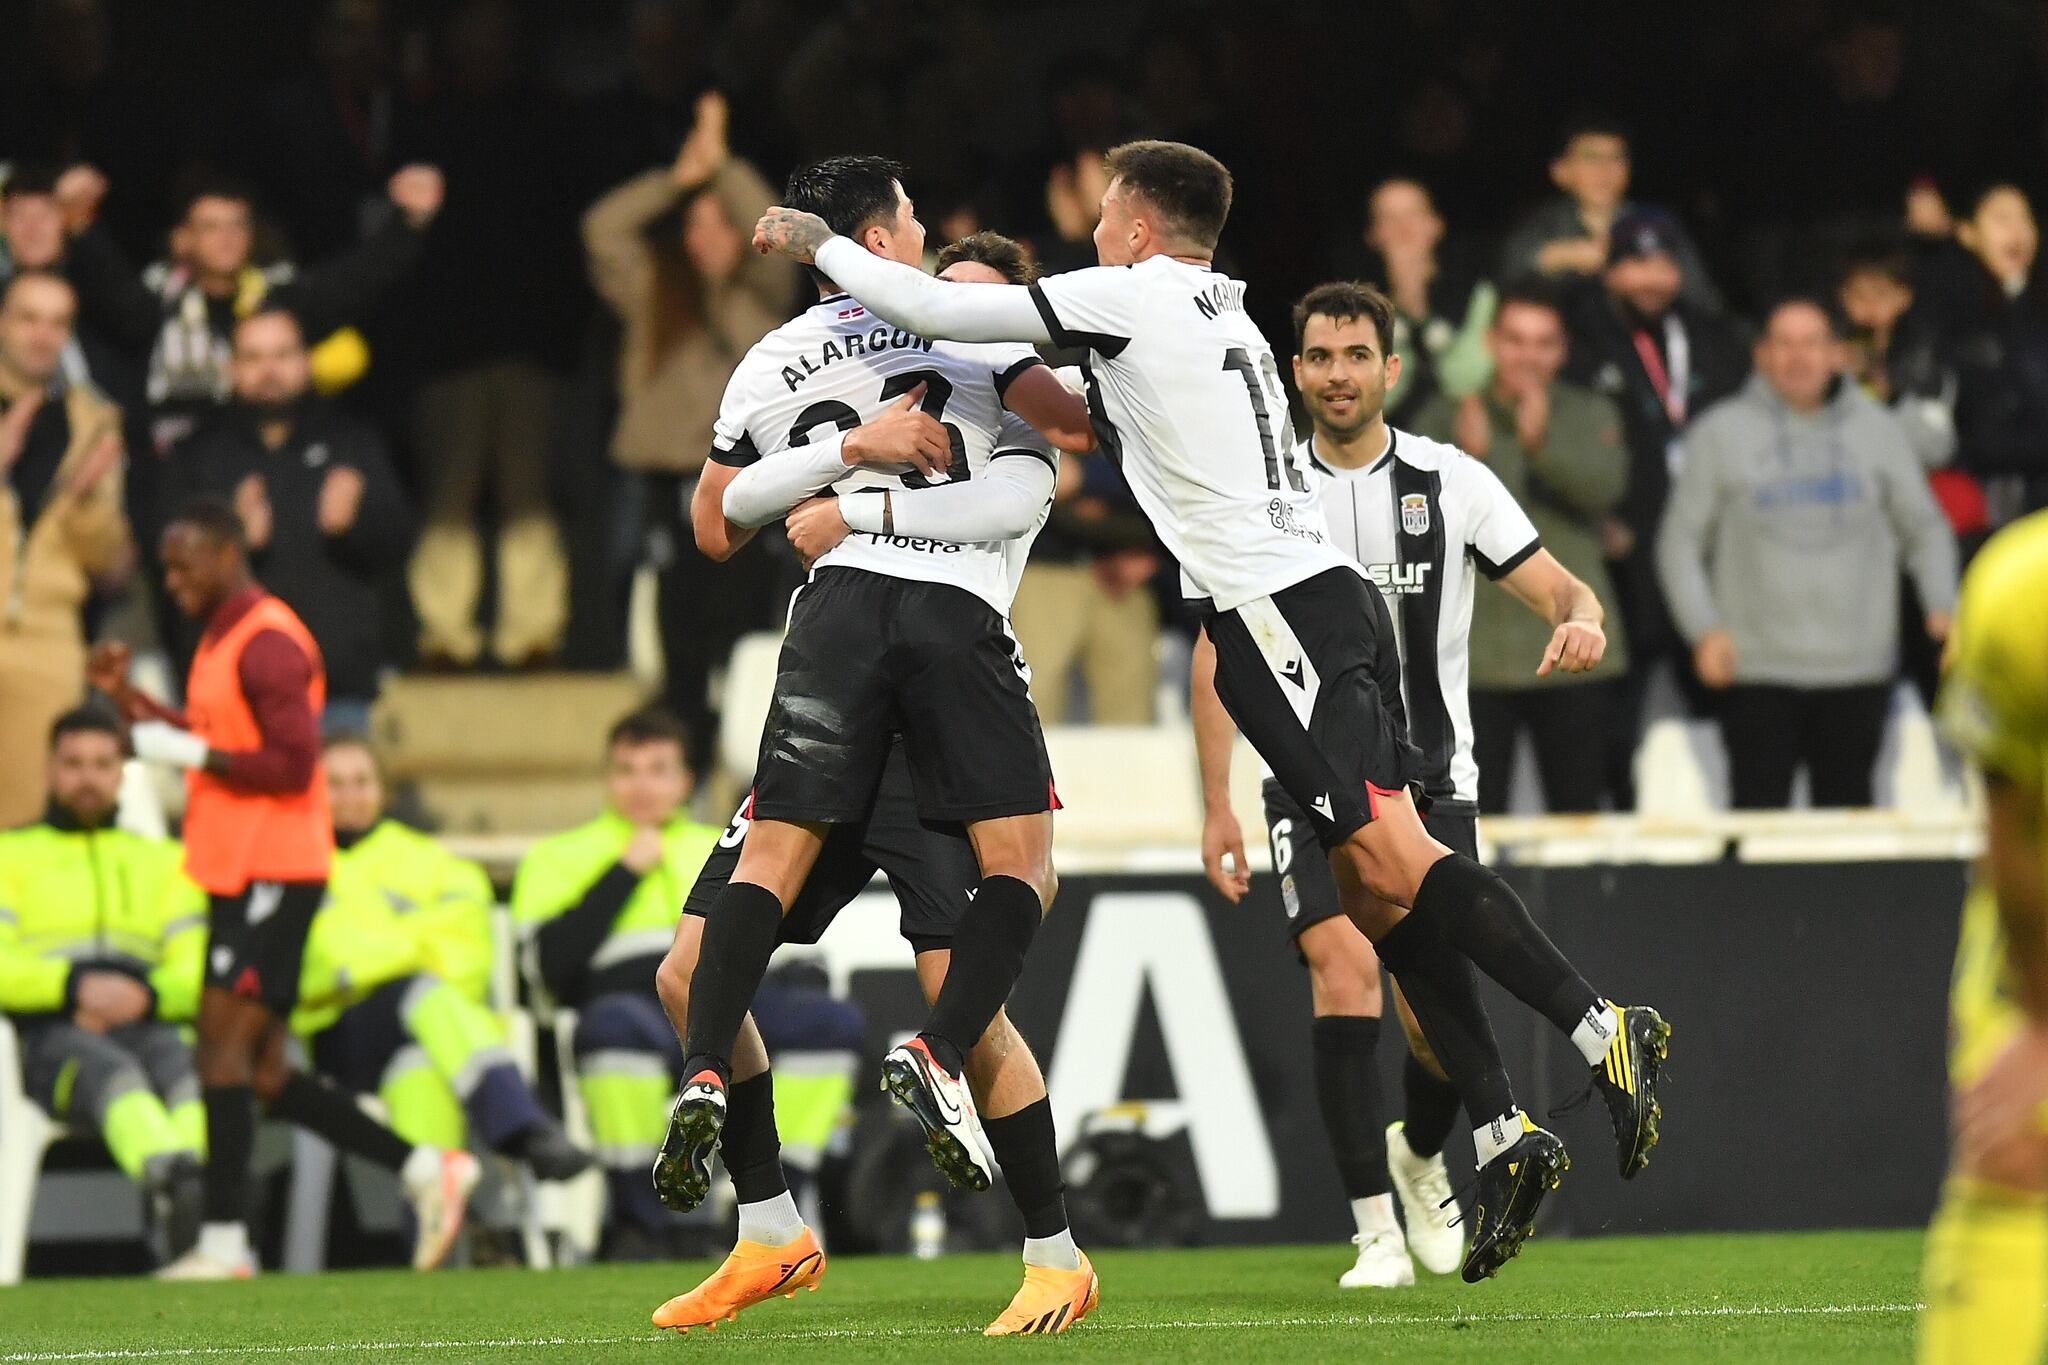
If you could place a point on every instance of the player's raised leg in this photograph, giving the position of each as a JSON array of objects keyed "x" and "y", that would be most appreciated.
[{"x": 1060, "y": 1286}]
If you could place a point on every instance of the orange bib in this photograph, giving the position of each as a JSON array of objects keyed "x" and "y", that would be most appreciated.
[{"x": 234, "y": 837}]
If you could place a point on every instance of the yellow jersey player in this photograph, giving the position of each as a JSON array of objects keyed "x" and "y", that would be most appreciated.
[{"x": 1987, "y": 1252}]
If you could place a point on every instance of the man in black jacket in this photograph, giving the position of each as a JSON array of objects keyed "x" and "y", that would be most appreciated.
[
  {"x": 325, "y": 517},
  {"x": 1663, "y": 360}
]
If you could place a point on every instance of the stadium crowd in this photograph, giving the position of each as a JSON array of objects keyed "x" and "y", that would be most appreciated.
[{"x": 368, "y": 319}]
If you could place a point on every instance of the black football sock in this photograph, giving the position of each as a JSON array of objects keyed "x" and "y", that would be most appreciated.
[
  {"x": 319, "y": 1106},
  {"x": 1443, "y": 991},
  {"x": 1480, "y": 915},
  {"x": 739, "y": 938},
  {"x": 230, "y": 1135},
  {"x": 1432, "y": 1105},
  {"x": 988, "y": 956},
  {"x": 749, "y": 1143},
  {"x": 1028, "y": 1151},
  {"x": 1348, "y": 1093}
]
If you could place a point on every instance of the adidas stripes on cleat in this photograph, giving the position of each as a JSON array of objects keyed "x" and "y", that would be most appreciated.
[{"x": 1627, "y": 1079}]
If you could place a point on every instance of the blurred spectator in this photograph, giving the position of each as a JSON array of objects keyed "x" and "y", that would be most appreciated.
[
  {"x": 1661, "y": 359},
  {"x": 1441, "y": 314},
  {"x": 597, "y": 907},
  {"x": 325, "y": 517},
  {"x": 493, "y": 316},
  {"x": 378, "y": 1018},
  {"x": 179, "y": 313},
  {"x": 320, "y": 140},
  {"x": 1558, "y": 449},
  {"x": 1795, "y": 506},
  {"x": 1992, "y": 322},
  {"x": 1892, "y": 355},
  {"x": 1570, "y": 237},
  {"x": 61, "y": 525},
  {"x": 100, "y": 958},
  {"x": 1073, "y": 203},
  {"x": 669, "y": 253}
]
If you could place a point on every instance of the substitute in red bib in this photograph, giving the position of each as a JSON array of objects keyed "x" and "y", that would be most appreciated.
[{"x": 259, "y": 841}]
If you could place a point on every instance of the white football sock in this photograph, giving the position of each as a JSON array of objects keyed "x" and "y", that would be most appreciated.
[
  {"x": 1596, "y": 1031},
  {"x": 1495, "y": 1136},
  {"x": 422, "y": 1166},
  {"x": 1057, "y": 1252},
  {"x": 772, "y": 1222},
  {"x": 227, "y": 1243},
  {"x": 1374, "y": 1215}
]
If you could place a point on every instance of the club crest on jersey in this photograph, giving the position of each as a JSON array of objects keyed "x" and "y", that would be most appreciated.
[{"x": 1415, "y": 514}]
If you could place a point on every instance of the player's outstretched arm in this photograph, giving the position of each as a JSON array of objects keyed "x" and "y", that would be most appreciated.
[
  {"x": 1560, "y": 597},
  {"x": 901, "y": 294},
  {"x": 901, "y": 437},
  {"x": 1214, "y": 736},
  {"x": 1055, "y": 411}
]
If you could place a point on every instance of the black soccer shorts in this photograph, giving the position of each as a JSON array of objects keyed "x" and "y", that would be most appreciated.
[
  {"x": 256, "y": 942},
  {"x": 1312, "y": 676},
  {"x": 1308, "y": 889},
  {"x": 869, "y": 656},
  {"x": 930, "y": 866}
]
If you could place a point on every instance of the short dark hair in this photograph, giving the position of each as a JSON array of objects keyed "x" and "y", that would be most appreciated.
[
  {"x": 1190, "y": 188},
  {"x": 213, "y": 517},
  {"x": 1829, "y": 314},
  {"x": 649, "y": 725},
  {"x": 85, "y": 720},
  {"x": 34, "y": 178},
  {"x": 1883, "y": 256},
  {"x": 1981, "y": 192},
  {"x": 849, "y": 192},
  {"x": 1591, "y": 123},
  {"x": 1341, "y": 301},
  {"x": 209, "y": 184},
  {"x": 271, "y": 309},
  {"x": 1005, "y": 255},
  {"x": 1530, "y": 293}
]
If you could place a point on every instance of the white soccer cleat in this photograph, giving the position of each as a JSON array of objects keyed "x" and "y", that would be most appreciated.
[
  {"x": 943, "y": 1107},
  {"x": 440, "y": 1201},
  {"x": 195, "y": 1265},
  {"x": 1382, "y": 1263},
  {"x": 1424, "y": 1188}
]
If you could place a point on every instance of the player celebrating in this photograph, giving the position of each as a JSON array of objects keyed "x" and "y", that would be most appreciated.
[
  {"x": 1987, "y": 1252},
  {"x": 931, "y": 868},
  {"x": 1186, "y": 396},
  {"x": 259, "y": 841},
  {"x": 1419, "y": 516},
  {"x": 894, "y": 629}
]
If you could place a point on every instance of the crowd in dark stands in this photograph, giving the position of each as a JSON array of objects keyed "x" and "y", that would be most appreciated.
[{"x": 442, "y": 295}]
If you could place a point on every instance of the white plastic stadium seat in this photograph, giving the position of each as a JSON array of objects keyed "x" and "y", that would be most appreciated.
[
  {"x": 26, "y": 1134},
  {"x": 1125, "y": 785},
  {"x": 1671, "y": 783},
  {"x": 743, "y": 706}
]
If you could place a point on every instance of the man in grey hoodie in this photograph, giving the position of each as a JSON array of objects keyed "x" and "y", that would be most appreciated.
[{"x": 1795, "y": 503}]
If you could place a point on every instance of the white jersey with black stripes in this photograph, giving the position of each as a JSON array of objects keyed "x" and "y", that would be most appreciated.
[
  {"x": 1420, "y": 520},
  {"x": 836, "y": 365}
]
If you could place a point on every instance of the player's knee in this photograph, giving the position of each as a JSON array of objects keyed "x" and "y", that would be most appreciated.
[
  {"x": 1340, "y": 987},
  {"x": 672, "y": 982}
]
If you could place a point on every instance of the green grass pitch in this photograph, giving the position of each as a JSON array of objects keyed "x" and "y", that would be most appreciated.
[{"x": 1803, "y": 1297}]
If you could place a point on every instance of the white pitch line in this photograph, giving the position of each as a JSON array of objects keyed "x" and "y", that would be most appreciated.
[{"x": 886, "y": 1333}]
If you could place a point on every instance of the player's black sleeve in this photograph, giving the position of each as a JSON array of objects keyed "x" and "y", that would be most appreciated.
[
  {"x": 566, "y": 943},
  {"x": 738, "y": 455}
]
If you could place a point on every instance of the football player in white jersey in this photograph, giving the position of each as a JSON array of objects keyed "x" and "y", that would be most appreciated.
[
  {"x": 894, "y": 633},
  {"x": 931, "y": 869},
  {"x": 1420, "y": 517},
  {"x": 1186, "y": 396}
]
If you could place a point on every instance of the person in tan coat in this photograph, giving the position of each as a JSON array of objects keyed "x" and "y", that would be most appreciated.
[
  {"x": 668, "y": 253},
  {"x": 61, "y": 526}
]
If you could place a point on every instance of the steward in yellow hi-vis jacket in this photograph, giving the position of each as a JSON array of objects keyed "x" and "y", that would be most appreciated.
[
  {"x": 378, "y": 1013},
  {"x": 101, "y": 947},
  {"x": 597, "y": 908}
]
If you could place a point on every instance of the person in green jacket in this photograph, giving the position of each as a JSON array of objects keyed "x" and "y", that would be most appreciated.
[
  {"x": 101, "y": 941},
  {"x": 1558, "y": 448},
  {"x": 378, "y": 1012},
  {"x": 596, "y": 908}
]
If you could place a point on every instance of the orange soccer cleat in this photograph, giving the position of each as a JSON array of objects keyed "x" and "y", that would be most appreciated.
[
  {"x": 753, "y": 1273},
  {"x": 1049, "y": 1301}
]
